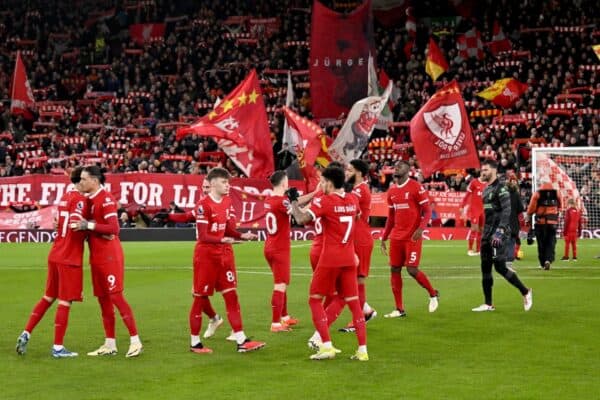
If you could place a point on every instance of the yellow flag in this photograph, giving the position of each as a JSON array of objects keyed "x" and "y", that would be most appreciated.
[{"x": 596, "y": 48}]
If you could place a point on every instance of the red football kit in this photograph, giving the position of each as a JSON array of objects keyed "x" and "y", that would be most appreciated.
[
  {"x": 363, "y": 240},
  {"x": 337, "y": 264},
  {"x": 106, "y": 252},
  {"x": 65, "y": 260},
  {"x": 474, "y": 199},
  {"x": 408, "y": 210},
  {"x": 572, "y": 230},
  {"x": 213, "y": 260},
  {"x": 277, "y": 245}
]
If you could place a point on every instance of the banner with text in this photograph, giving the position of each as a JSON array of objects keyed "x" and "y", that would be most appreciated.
[
  {"x": 340, "y": 45},
  {"x": 155, "y": 191}
]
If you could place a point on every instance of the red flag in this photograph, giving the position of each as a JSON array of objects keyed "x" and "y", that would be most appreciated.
[
  {"x": 390, "y": 13},
  {"x": 312, "y": 147},
  {"x": 504, "y": 92},
  {"x": 22, "y": 100},
  {"x": 469, "y": 44},
  {"x": 499, "y": 42},
  {"x": 340, "y": 45},
  {"x": 441, "y": 133},
  {"x": 142, "y": 33},
  {"x": 309, "y": 133},
  {"x": 435, "y": 64},
  {"x": 241, "y": 126}
]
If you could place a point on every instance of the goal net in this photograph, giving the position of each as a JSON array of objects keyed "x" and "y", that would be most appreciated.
[{"x": 575, "y": 173}]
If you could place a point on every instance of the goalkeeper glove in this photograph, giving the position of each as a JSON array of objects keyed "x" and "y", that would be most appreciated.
[
  {"x": 498, "y": 238},
  {"x": 292, "y": 194}
]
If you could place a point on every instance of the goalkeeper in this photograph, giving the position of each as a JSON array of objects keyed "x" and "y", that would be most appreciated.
[{"x": 496, "y": 232}]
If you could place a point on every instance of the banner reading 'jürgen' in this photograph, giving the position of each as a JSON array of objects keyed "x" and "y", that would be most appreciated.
[{"x": 339, "y": 52}]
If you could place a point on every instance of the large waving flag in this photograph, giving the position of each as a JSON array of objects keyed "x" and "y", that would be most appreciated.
[
  {"x": 547, "y": 170},
  {"x": 499, "y": 42},
  {"x": 441, "y": 134},
  {"x": 504, "y": 92},
  {"x": 340, "y": 44},
  {"x": 311, "y": 148},
  {"x": 241, "y": 127},
  {"x": 469, "y": 45},
  {"x": 356, "y": 131},
  {"x": 375, "y": 89},
  {"x": 309, "y": 133},
  {"x": 436, "y": 64},
  {"x": 22, "y": 100},
  {"x": 290, "y": 137}
]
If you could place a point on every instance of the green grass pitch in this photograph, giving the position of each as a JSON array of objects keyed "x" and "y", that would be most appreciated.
[{"x": 550, "y": 352}]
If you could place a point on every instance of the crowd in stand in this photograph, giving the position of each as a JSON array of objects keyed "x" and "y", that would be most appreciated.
[{"x": 123, "y": 100}]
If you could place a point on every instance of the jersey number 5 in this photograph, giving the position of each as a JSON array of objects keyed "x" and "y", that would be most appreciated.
[{"x": 347, "y": 219}]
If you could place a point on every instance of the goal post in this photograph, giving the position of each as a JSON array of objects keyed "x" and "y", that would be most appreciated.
[{"x": 575, "y": 173}]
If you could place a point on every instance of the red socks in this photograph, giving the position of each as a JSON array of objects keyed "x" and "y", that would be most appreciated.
[
  {"x": 396, "y": 281},
  {"x": 126, "y": 313},
  {"x": 423, "y": 281},
  {"x": 108, "y": 316},
  {"x": 208, "y": 309},
  {"x": 319, "y": 318},
  {"x": 234, "y": 314},
  {"x": 277, "y": 301},
  {"x": 37, "y": 314},
  {"x": 196, "y": 316},
  {"x": 478, "y": 242},
  {"x": 362, "y": 295},
  {"x": 472, "y": 237},
  {"x": 284, "y": 311},
  {"x": 60, "y": 323},
  {"x": 334, "y": 309},
  {"x": 358, "y": 319}
]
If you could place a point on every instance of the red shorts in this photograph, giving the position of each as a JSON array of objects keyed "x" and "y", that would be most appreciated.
[
  {"x": 477, "y": 220},
  {"x": 315, "y": 254},
  {"x": 327, "y": 280},
  {"x": 279, "y": 261},
  {"x": 364, "y": 259},
  {"x": 64, "y": 282},
  {"x": 405, "y": 253},
  {"x": 107, "y": 278},
  {"x": 214, "y": 271},
  {"x": 571, "y": 236}
]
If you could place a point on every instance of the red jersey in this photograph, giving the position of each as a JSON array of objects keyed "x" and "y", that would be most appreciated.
[
  {"x": 362, "y": 235},
  {"x": 102, "y": 250},
  {"x": 572, "y": 220},
  {"x": 338, "y": 213},
  {"x": 318, "y": 239},
  {"x": 474, "y": 198},
  {"x": 214, "y": 215},
  {"x": 68, "y": 245},
  {"x": 406, "y": 203},
  {"x": 278, "y": 224}
]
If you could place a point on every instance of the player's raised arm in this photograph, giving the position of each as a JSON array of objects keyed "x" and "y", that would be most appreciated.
[{"x": 300, "y": 215}]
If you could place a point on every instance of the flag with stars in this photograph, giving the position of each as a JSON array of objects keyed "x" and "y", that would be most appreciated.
[{"x": 239, "y": 124}]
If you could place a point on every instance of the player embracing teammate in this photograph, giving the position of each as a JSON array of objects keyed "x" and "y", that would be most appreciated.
[{"x": 337, "y": 267}]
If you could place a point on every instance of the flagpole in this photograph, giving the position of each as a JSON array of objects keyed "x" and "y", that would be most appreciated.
[{"x": 12, "y": 91}]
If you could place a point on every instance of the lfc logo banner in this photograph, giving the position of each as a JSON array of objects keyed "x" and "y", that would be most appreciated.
[
  {"x": 441, "y": 133},
  {"x": 339, "y": 52}
]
